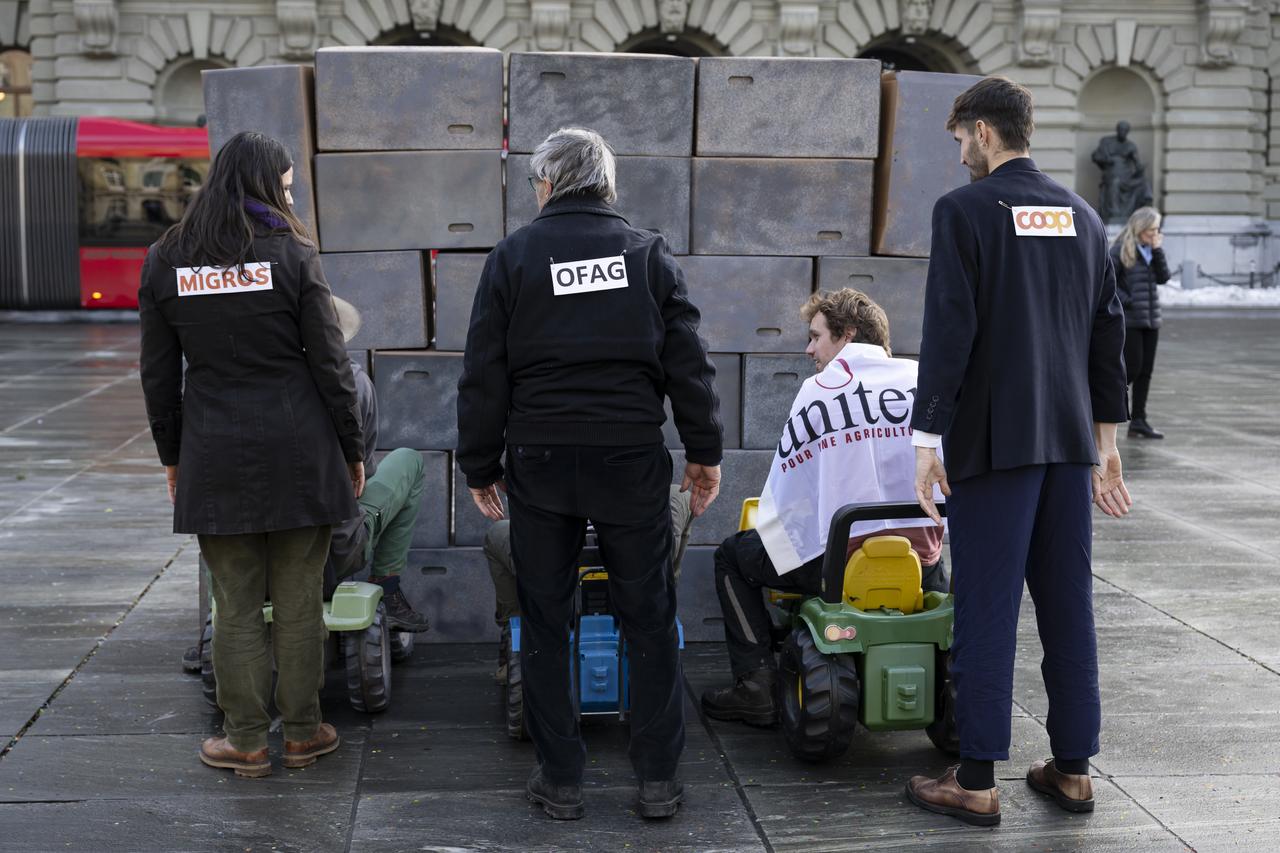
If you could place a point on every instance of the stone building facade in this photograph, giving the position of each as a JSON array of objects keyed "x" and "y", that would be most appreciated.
[{"x": 1196, "y": 78}]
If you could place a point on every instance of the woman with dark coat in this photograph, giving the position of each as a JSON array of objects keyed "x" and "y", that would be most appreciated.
[
  {"x": 261, "y": 439},
  {"x": 1140, "y": 266}
]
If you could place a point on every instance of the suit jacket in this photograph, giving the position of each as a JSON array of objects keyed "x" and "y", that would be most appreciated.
[
  {"x": 266, "y": 412},
  {"x": 1023, "y": 332}
]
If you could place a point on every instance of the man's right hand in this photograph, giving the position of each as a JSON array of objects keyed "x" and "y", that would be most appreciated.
[
  {"x": 488, "y": 501},
  {"x": 705, "y": 482},
  {"x": 930, "y": 472},
  {"x": 356, "y": 470}
]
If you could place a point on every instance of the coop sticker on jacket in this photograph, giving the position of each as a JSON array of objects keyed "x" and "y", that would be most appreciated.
[
  {"x": 206, "y": 281},
  {"x": 574, "y": 277},
  {"x": 1044, "y": 221}
]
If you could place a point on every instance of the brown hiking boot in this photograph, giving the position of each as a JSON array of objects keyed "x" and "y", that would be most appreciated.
[
  {"x": 302, "y": 753},
  {"x": 218, "y": 752},
  {"x": 945, "y": 796},
  {"x": 1073, "y": 792}
]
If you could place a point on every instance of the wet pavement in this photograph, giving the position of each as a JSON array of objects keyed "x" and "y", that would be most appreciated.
[{"x": 100, "y": 728}]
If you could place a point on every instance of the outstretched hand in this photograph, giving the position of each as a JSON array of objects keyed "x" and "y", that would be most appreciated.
[
  {"x": 489, "y": 502},
  {"x": 171, "y": 474},
  {"x": 704, "y": 480},
  {"x": 930, "y": 472}
]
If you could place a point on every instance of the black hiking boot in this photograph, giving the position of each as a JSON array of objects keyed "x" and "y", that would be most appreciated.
[
  {"x": 401, "y": 616},
  {"x": 753, "y": 700},
  {"x": 562, "y": 802},
  {"x": 660, "y": 799}
]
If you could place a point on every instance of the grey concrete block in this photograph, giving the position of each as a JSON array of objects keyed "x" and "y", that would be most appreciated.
[
  {"x": 275, "y": 100},
  {"x": 919, "y": 161},
  {"x": 750, "y": 304},
  {"x": 641, "y": 104},
  {"x": 696, "y": 601},
  {"x": 781, "y": 207},
  {"x": 409, "y": 200},
  {"x": 742, "y": 476},
  {"x": 456, "y": 277},
  {"x": 387, "y": 289},
  {"x": 432, "y": 528},
  {"x": 763, "y": 107},
  {"x": 653, "y": 193},
  {"x": 769, "y": 387},
  {"x": 408, "y": 98},
  {"x": 417, "y": 399},
  {"x": 897, "y": 284},
  {"x": 729, "y": 388},
  {"x": 452, "y": 588},
  {"x": 469, "y": 526}
]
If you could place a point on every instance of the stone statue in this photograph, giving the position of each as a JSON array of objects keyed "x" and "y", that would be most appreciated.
[
  {"x": 672, "y": 15},
  {"x": 425, "y": 14},
  {"x": 915, "y": 16},
  {"x": 1124, "y": 186}
]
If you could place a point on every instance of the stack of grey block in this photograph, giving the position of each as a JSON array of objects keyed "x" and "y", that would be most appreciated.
[{"x": 768, "y": 178}]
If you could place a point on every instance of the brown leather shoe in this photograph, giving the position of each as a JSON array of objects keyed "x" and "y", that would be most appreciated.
[
  {"x": 218, "y": 752},
  {"x": 305, "y": 752},
  {"x": 945, "y": 796},
  {"x": 1073, "y": 792}
]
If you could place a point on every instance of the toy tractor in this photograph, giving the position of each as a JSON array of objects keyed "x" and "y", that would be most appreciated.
[
  {"x": 356, "y": 619},
  {"x": 598, "y": 663},
  {"x": 872, "y": 649}
]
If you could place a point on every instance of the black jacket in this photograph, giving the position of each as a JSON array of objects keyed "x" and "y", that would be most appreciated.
[
  {"x": 1023, "y": 335},
  {"x": 1136, "y": 286},
  {"x": 348, "y": 539},
  {"x": 574, "y": 362},
  {"x": 268, "y": 410}
]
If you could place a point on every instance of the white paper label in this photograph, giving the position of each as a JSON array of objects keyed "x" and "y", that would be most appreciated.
[
  {"x": 574, "y": 277},
  {"x": 207, "y": 281},
  {"x": 1044, "y": 222}
]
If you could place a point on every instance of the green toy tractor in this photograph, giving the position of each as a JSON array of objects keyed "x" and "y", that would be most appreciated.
[{"x": 871, "y": 650}]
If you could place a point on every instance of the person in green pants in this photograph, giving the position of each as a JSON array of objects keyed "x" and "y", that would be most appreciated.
[
  {"x": 497, "y": 550},
  {"x": 379, "y": 537}
]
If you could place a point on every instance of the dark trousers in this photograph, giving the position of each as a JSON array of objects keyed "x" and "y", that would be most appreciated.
[
  {"x": 1032, "y": 523},
  {"x": 1139, "y": 359},
  {"x": 552, "y": 491},
  {"x": 743, "y": 571}
]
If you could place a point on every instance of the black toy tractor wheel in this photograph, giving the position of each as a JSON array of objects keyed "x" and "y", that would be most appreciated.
[
  {"x": 368, "y": 655},
  {"x": 401, "y": 645},
  {"x": 942, "y": 731},
  {"x": 515, "y": 699},
  {"x": 208, "y": 681},
  {"x": 819, "y": 698}
]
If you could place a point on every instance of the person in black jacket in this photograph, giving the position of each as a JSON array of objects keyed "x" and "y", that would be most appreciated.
[
  {"x": 261, "y": 442},
  {"x": 1140, "y": 266},
  {"x": 1021, "y": 382},
  {"x": 581, "y": 325}
]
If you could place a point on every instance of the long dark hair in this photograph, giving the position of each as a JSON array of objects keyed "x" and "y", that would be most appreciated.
[{"x": 216, "y": 230}]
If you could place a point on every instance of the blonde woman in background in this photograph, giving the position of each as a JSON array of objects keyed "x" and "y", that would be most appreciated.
[{"x": 1140, "y": 266}]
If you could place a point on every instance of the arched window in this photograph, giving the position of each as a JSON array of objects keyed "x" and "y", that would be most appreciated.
[
  {"x": 1111, "y": 96},
  {"x": 179, "y": 92},
  {"x": 672, "y": 44},
  {"x": 15, "y": 83},
  {"x": 899, "y": 52},
  {"x": 441, "y": 36}
]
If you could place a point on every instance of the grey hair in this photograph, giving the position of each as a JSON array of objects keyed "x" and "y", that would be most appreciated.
[{"x": 576, "y": 160}]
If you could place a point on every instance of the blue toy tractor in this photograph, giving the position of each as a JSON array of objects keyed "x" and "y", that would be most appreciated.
[{"x": 598, "y": 663}]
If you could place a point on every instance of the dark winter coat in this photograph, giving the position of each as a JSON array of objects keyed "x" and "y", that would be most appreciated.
[
  {"x": 581, "y": 326},
  {"x": 1136, "y": 286},
  {"x": 267, "y": 418}
]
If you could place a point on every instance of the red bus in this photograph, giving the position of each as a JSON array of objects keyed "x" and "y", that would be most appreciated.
[{"x": 80, "y": 201}]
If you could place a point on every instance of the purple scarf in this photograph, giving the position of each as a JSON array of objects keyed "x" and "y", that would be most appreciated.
[{"x": 263, "y": 214}]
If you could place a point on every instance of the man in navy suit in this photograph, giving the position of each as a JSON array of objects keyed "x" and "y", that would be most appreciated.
[{"x": 1022, "y": 382}]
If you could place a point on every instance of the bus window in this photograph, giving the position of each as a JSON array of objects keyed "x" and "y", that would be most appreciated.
[{"x": 130, "y": 201}]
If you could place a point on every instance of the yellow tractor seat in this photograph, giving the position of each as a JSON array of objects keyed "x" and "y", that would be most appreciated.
[
  {"x": 884, "y": 572},
  {"x": 747, "y": 521}
]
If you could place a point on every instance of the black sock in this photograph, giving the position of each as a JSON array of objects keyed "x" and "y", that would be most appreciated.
[
  {"x": 975, "y": 775},
  {"x": 1074, "y": 766}
]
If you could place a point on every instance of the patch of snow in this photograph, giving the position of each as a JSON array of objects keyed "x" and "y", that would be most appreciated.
[{"x": 1220, "y": 296}]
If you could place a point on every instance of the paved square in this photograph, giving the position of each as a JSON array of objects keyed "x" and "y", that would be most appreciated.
[{"x": 100, "y": 729}]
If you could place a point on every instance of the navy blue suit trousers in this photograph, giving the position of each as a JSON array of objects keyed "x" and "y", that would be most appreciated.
[{"x": 1032, "y": 523}]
